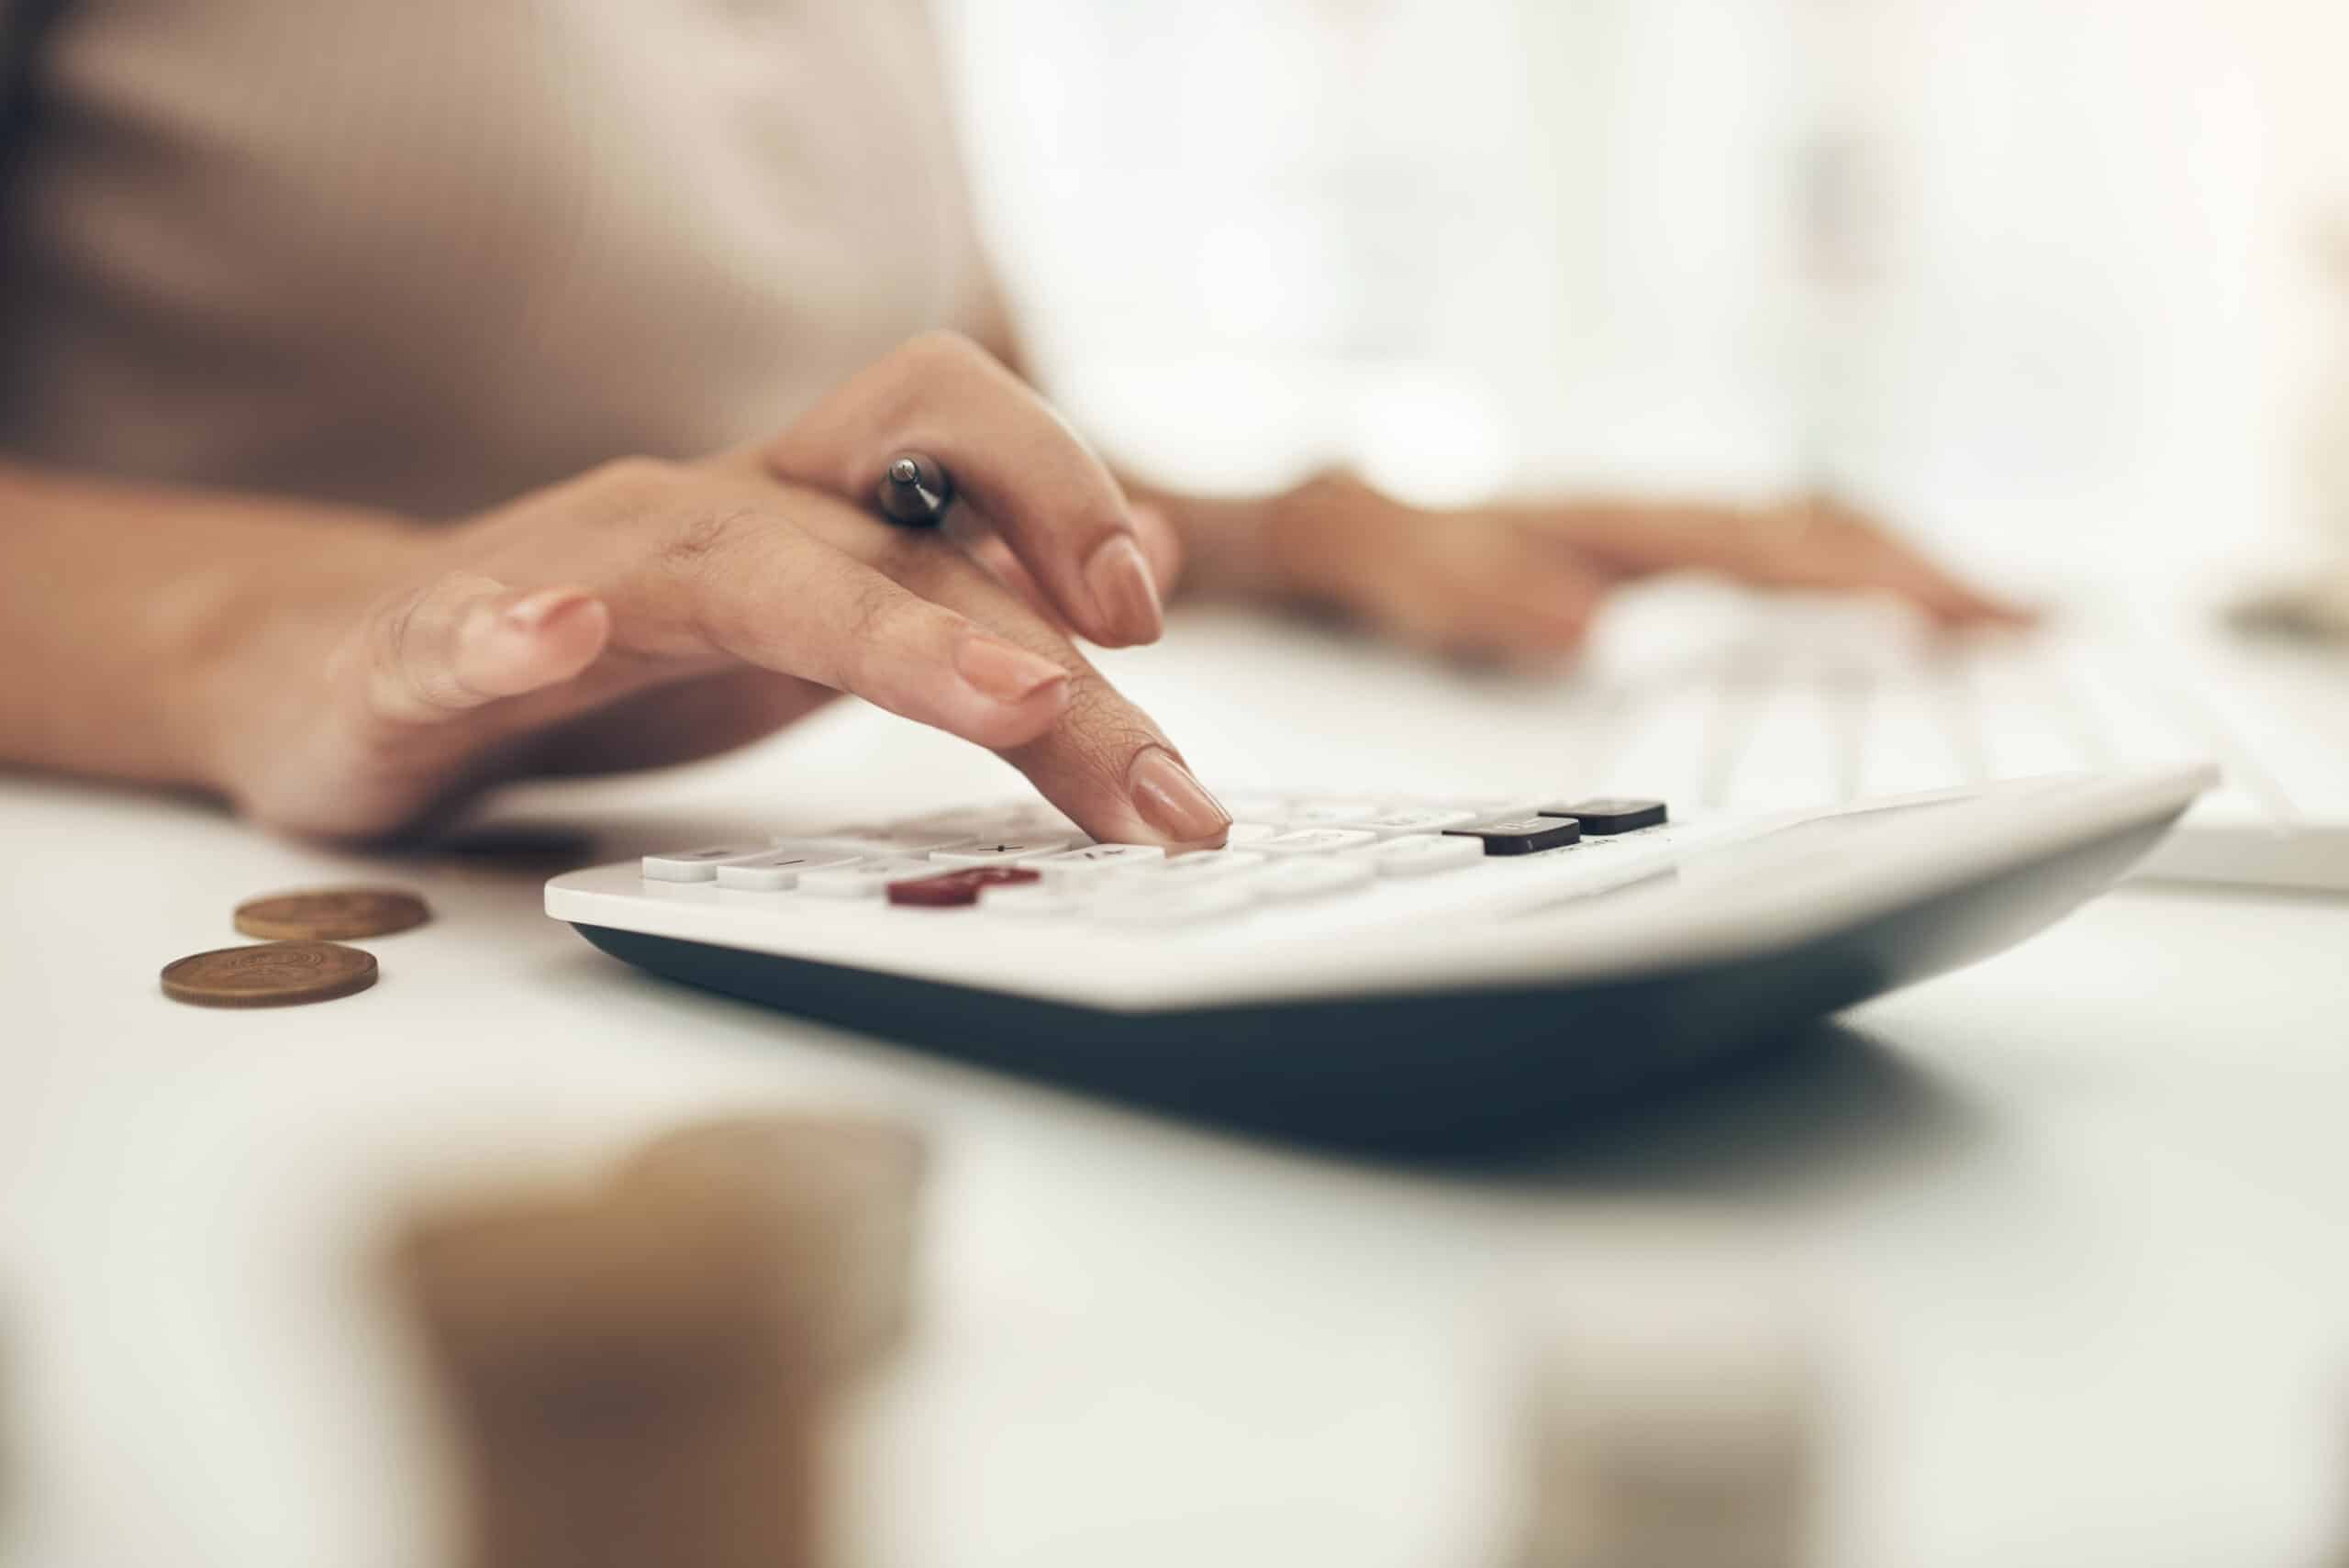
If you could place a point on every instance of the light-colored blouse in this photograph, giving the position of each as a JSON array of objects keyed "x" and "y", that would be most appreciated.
[{"x": 428, "y": 254}]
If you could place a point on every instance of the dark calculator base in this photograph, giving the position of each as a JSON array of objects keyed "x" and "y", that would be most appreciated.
[{"x": 1432, "y": 1073}]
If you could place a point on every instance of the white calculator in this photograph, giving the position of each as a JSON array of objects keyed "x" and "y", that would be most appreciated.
[{"x": 1404, "y": 974}]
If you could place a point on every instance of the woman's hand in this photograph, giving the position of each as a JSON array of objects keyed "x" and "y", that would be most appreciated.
[
  {"x": 651, "y": 612},
  {"x": 1522, "y": 582}
]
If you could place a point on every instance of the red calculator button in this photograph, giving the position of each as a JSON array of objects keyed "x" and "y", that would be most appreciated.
[{"x": 950, "y": 888}]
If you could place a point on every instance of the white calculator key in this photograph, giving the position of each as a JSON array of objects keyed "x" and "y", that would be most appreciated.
[
  {"x": 1249, "y": 832},
  {"x": 1394, "y": 824},
  {"x": 898, "y": 842},
  {"x": 1311, "y": 841},
  {"x": 1027, "y": 898},
  {"x": 1499, "y": 808},
  {"x": 1096, "y": 860},
  {"x": 1310, "y": 877},
  {"x": 1328, "y": 813},
  {"x": 865, "y": 877},
  {"x": 1422, "y": 854},
  {"x": 1206, "y": 865},
  {"x": 777, "y": 870},
  {"x": 969, "y": 820},
  {"x": 1150, "y": 902},
  {"x": 999, "y": 851},
  {"x": 698, "y": 865}
]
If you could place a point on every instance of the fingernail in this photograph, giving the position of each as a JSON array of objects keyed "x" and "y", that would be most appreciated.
[
  {"x": 1007, "y": 674},
  {"x": 1125, "y": 596},
  {"x": 1170, "y": 800},
  {"x": 532, "y": 611}
]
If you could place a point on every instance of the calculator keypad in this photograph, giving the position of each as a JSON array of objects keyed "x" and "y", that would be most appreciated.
[
  {"x": 865, "y": 878},
  {"x": 1309, "y": 876},
  {"x": 1096, "y": 860},
  {"x": 1030, "y": 862},
  {"x": 778, "y": 869},
  {"x": 952, "y": 888},
  {"x": 1312, "y": 841},
  {"x": 698, "y": 865},
  {"x": 999, "y": 851},
  {"x": 1423, "y": 854}
]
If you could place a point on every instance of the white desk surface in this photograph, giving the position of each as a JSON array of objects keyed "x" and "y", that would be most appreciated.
[{"x": 2082, "y": 1212}]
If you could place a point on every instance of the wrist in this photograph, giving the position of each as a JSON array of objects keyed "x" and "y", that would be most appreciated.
[
  {"x": 256, "y": 638},
  {"x": 1261, "y": 547}
]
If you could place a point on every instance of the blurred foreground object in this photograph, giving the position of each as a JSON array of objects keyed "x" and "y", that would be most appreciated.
[
  {"x": 1674, "y": 1422},
  {"x": 640, "y": 1376},
  {"x": 840, "y": 1194}
]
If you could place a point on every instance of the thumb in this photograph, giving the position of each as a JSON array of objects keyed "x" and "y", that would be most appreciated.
[{"x": 464, "y": 639}]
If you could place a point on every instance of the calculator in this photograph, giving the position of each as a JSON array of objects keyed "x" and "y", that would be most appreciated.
[{"x": 1398, "y": 973}]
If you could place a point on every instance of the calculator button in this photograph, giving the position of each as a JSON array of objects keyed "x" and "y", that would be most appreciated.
[
  {"x": 777, "y": 870},
  {"x": 1206, "y": 865},
  {"x": 1328, "y": 813},
  {"x": 1394, "y": 824},
  {"x": 999, "y": 851},
  {"x": 1422, "y": 854},
  {"x": 698, "y": 865},
  {"x": 1146, "y": 902},
  {"x": 1310, "y": 877},
  {"x": 949, "y": 889},
  {"x": 862, "y": 878},
  {"x": 1612, "y": 815},
  {"x": 1520, "y": 835},
  {"x": 1311, "y": 841},
  {"x": 898, "y": 842},
  {"x": 1249, "y": 832},
  {"x": 1497, "y": 807},
  {"x": 1027, "y": 898},
  {"x": 1097, "y": 860},
  {"x": 968, "y": 822}
]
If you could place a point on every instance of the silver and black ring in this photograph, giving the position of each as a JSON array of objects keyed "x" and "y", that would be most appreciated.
[{"x": 915, "y": 492}]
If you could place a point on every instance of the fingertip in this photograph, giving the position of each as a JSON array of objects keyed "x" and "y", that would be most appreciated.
[
  {"x": 1126, "y": 608},
  {"x": 534, "y": 640},
  {"x": 1162, "y": 546}
]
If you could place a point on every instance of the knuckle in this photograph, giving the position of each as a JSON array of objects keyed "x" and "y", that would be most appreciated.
[
  {"x": 689, "y": 542},
  {"x": 926, "y": 370},
  {"x": 910, "y": 556},
  {"x": 942, "y": 348},
  {"x": 880, "y": 616},
  {"x": 1100, "y": 732},
  {"x": 409, "y": 667},
  {"x": 629, "y": 484}
]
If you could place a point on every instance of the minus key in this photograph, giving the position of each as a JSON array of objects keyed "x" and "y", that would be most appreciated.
[
  {"x": 1520, "y": 835},
  {"x": 1609, "y": 815}
]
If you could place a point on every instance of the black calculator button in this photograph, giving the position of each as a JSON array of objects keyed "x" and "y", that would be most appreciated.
[
  {"x": 1520, "y": 835},
  {"x": 1611, "y": 816}
]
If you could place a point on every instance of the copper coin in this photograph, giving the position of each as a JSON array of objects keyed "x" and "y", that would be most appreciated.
[
  {"x": 331, "y": 914},
  {"x": 269, "y": 974}
]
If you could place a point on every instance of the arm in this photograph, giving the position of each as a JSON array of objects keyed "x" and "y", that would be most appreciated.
[
  {"x": 128, "y": 614},
  {"x": 1524, "y": 579},
  {"x": 351, "y": 676}
]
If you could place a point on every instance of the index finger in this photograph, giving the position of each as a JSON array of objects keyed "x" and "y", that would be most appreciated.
[{"x": 1013, "y": 460}]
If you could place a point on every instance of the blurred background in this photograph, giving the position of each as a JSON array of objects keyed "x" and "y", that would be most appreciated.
[{"x": 2042, "y": 277}]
